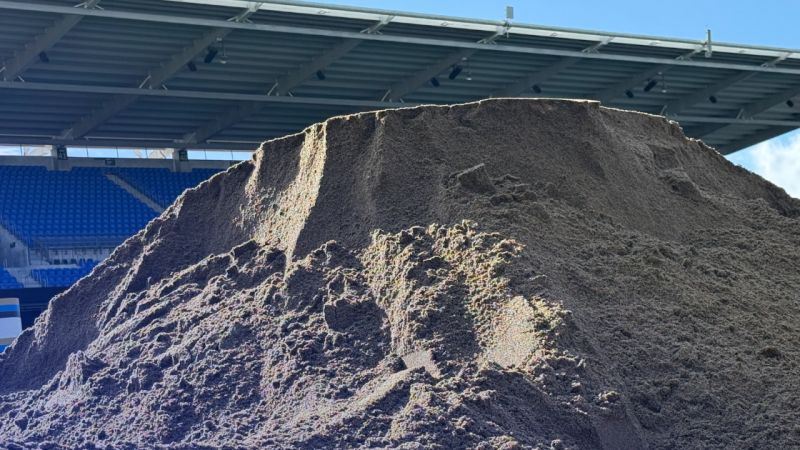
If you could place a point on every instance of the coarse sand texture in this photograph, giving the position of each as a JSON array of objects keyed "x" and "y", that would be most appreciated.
[{"x": 507, "y": 274}]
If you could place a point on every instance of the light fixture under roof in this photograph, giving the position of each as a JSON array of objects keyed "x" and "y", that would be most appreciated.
[
  {"x": 536, "y": 88},
  {"x": 320, "y": 75},
  {"x": 629, "y": 93},
  {"x": 434, "y": 82},
  {"x": 211, "y": 53},
  {"x": 455, "y": 72},
  {"x": 650, "y": 85}
]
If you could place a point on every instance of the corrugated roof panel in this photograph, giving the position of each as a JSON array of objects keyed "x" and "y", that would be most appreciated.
[{"x": 116, "y": 52}]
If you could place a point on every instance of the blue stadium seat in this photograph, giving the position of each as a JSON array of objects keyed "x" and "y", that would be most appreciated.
[
  {"x": 62, "y": 207},
  {"x": 162, "y": 185},
  {"x": 7, "y": 281},
  {"x": 62, "y": 277}
]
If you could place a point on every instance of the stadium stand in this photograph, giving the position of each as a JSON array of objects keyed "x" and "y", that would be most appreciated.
[
  {"x": 7, "y": 281},
  {"x": 58, "y": 277},
  {"x": 62, "y": 207},
  {"x": 68, "y": 220},
  {"x": 59, "y": 218},
  {"x": 161, "y": 185}
]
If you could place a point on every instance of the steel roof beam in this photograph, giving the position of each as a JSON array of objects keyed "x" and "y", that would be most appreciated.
[
  {"x": 705, "y": 94},
  {"x": 294, "y": 30},
  {"x": 767, "y": 103},
  {"x": 749, "y": 111},
  {"x": 753, "y": 139},
  {"x": 155, "y": 79},
  {"x": 108, "y": 109},
  {"x": 27, "y": 56},
  {"x": 283, "y": 86},
  {"x": 708, "y": 93},
  {"x": 370, "y": 15},
  {"x": 408, "y": 85},
  {"x": 191, "y": 94},
  {"x": 412, "y": 83},
  {"x": 726, "y": 121},
  {"x": 548, "y": 72},
  {"x": 537, "y": 78},
  {"x": 345, "y": 104},
  {"x": 159, "y": 75},
  {"x": 227, "y": 119},
  {"x": 285, "y": 83},
  {"x": 618, "y": 89}
]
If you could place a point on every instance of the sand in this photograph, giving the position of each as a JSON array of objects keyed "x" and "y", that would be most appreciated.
[{"x": 508, "y": 274}]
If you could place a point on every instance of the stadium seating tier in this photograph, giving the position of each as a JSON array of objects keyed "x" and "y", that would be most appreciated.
[
  {"x": 7, "y": 281},
  {"x": 162, "y": 185},
  {"x": 58, "y": 277},
  {"x": 38, "y": 204},
  {"x": 79, "y": 208}
]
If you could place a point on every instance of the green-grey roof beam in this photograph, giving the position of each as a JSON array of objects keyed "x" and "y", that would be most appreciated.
[
  {"x": 283, "y": 86},
  {"x": 548, "y": 72},
  {"x": 25, "y": 57},
  {"x": 399, "y": 89},
  {"x": 450, "y": 43},
  {"x": 709, "y": 93},
  {"x": 618, "y": 89},
  {"x": 753, "y": 139},
  {"x": 156, "y": 77},
  {"x": 341, "y": 102},
  {"x": 751, "y": 110},
  {"x": 227, "y": 119},
  {"x": 770, "y": 102}
]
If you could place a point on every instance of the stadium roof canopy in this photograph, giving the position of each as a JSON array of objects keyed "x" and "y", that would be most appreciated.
[{"x": 228, "y": 74}]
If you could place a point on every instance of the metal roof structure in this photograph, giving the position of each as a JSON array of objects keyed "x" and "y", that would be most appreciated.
[{"x": 228, "y": 74}]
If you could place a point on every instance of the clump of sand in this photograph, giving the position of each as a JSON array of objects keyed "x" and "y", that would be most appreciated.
[{"x": 503, "y": 274}]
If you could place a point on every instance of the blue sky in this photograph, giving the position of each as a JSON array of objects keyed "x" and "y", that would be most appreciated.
[{"x": 765, "y": 22}]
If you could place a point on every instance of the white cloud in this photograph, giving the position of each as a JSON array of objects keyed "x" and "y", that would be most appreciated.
[{"x": 778, "y": 161}]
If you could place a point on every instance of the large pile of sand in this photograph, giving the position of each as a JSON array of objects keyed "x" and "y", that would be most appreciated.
[{"x": 503, "y": 274}]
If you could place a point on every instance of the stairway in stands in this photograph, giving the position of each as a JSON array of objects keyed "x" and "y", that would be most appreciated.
[
  {"x": 23, "y": 275},
  {"x": 131, "y": 189}
]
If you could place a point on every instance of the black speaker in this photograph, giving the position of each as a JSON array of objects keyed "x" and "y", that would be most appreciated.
[{"x": 61, "y": 152}]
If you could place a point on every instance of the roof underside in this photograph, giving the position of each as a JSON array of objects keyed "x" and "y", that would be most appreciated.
[{"x": 133, "y": 72}]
